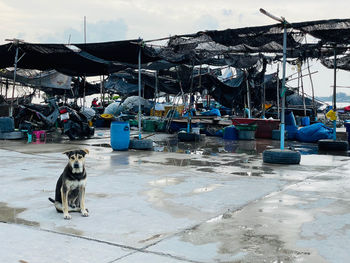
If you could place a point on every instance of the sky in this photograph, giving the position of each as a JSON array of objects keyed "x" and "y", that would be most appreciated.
[{"x": 42, "y": 21}]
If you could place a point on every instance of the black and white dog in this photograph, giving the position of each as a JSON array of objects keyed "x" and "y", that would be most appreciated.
[{"x": 70, "y": 187}]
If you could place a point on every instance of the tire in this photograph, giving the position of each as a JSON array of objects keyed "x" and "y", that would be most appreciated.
[
  {"x": 279, "y": 156},
  {"x": 141, "y": 144},
  {"x": 332, "y": 145}
]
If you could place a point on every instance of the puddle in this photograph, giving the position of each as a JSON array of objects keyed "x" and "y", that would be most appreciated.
[
  {"x": 207, "y": 170},
  {"x": 167, "y": 181},
  {"x": 151, "y": 238},
  {"x": 69, "y": 230},
  {"x": 102, "y": 145},
  {"x": 258, "y": 174},
  {"x": 98, "y": 195},
  {"x": 9, "y": 215}
]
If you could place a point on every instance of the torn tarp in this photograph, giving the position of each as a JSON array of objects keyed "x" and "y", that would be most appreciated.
[{"x": 45, "y": 79}]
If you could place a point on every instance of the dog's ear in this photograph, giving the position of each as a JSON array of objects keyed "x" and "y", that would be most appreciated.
[
  {"x": 84, "y": 152},
  {"x": 68, "y": 153}
]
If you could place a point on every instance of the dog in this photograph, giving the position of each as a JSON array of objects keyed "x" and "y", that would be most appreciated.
[{"x": 70, "y": 186}]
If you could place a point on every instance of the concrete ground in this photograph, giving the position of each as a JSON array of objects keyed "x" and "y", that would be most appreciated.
[{"x": 217, "y": 203}]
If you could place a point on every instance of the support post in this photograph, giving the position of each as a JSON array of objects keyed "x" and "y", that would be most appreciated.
[
  {"x": 283, "y": 83},
  {"x": 264, "y": 102},
  {"x": 335, "y": 94},
  {"x": 139, "y": 82},
  {"x": 14, "y": 79},
  {"x": 248, "y": 96},
  {"x": 278, "y": 92}
]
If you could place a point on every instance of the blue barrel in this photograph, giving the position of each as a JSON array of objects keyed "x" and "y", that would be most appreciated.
[
  {"x": 230, "y": 133},
  {"x": 120, "y": 135}
]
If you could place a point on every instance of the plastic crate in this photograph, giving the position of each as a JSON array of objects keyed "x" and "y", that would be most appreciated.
[{"x": 246, "y": 127}]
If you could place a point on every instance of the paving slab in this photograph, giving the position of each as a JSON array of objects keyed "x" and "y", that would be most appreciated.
[{"x": 171, "y": 207}]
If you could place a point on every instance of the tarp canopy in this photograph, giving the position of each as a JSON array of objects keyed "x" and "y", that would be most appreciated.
[
  {"x": 209, "y": 47},
  {"x": 342, "y": 62}
]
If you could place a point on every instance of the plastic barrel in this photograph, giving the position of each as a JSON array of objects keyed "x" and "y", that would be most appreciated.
[
  {"x": 230, "y": 133},
  {"x": 120, "y": 135}
]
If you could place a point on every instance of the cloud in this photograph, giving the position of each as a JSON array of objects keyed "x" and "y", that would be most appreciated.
[
  {"x": 101, "y": 31},
  {"x": 206, "y": 22},
  {"x": 227, "y": 12}
]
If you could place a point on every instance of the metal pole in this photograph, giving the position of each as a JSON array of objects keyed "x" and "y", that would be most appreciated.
[
  {"x": 312, "y": 88},
  {"x": 264, "y": 102},
  {"x": 139, "y": 114},
  {"x": 283, "y": 83},
  {"x": 278, "y": 92},
  {"x": 14, "y": 80},
  {"x": 335, "y": 94},
  {"x": 156, "y": 78},
  {"x": 248, "y": 96},
  {"x": 303, "y": 94}
]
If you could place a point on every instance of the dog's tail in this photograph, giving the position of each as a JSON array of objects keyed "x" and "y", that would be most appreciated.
[{"x": 51, "y": 200}]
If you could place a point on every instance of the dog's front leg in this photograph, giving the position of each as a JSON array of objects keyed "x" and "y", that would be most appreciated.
[
  {"x": 64, "y": 196},
  {"x": 83, "y": 210}
]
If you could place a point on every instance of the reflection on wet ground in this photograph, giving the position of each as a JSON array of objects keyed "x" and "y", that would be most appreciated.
[{"x": 9, "y": 215}]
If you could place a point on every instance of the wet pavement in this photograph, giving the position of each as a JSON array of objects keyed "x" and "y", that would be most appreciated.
[{"x": 208, "y": 201}]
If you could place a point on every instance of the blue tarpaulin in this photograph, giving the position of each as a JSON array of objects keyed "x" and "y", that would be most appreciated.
[{"x": 314, "y": 132}]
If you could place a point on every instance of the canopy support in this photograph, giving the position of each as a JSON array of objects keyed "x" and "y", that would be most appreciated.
[
  {"x": 283, "y": 83},
  {"x": 139, "y": 82},
  {"x": 335, "y": 93},
  {"x": 14, "y": 78}
]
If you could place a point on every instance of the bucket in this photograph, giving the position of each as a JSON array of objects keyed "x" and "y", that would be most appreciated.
[
  {"x": 120, "y": 135},
  {"x": 305, "y": 121},
  {"x": 230, "y": 133}
]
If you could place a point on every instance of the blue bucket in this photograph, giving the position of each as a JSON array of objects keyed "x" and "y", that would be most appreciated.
[{"x": 120, "y": 135}]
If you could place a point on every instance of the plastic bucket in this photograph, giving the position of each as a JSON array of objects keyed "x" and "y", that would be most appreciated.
[
  {"x": 120, "y": 135},
  {"x": 230, "y": 133}
]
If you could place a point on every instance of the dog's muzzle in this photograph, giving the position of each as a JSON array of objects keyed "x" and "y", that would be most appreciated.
[{"x": 76, "y": 166}]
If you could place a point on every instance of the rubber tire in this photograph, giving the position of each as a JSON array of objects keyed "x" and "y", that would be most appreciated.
[
  {"x": 332, "y": 145},
  {"x": 279, "y": 156},
  {"x": 141, "y": 144}
]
